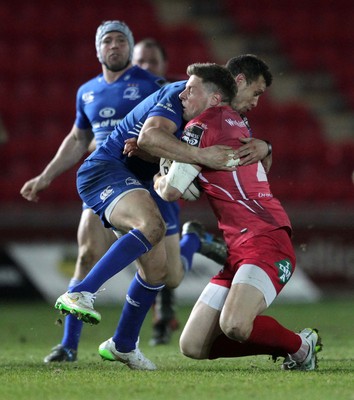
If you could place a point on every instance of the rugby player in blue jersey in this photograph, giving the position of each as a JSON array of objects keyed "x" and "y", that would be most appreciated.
[
  {"x": 100, "y": 104},
  {"x": 149, "y": 54},
  {"x": 119, "y": 189}
]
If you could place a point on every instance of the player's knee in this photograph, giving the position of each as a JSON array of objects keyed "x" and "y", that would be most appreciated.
[
  {"x": 172, "y": 283},
  {"x": 190, "y": 349},
  {"x": 174, "y": 277},
  {"x": 235, "y": 330},
  {"x": 159, "y": 231},
  {"x": 154, "y": 230}
]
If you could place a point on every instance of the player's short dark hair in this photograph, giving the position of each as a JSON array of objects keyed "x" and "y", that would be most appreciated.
[
  {"x": 152, "y": 43},
  {"x": 251, "y": 66},
  {"x": 217, "y": 76}
]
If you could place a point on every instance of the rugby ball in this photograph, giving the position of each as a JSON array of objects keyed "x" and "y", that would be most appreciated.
[{"x": 193, "y": 192}]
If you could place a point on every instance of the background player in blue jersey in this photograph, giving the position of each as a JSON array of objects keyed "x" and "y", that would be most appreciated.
[
  {"x": 149, "y": 54},
  {"x": 100, "y": 104}
]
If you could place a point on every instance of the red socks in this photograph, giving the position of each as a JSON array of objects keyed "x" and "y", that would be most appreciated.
[{"x": 267, "y": 337}]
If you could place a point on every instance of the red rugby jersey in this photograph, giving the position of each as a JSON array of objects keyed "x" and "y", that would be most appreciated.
[{"x": 241, "y": 200}]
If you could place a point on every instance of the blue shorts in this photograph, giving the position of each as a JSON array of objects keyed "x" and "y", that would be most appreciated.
[
  {"x": 100, "y": 182},
  {"x": 169, "y": 212}
]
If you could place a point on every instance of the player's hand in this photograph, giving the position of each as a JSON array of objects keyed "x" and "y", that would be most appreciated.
[
  {"x": 32, "y": 187},
  {"x": 131, "y": 147},
  {"x": 220, "y": 157},
  {"x": 252, "y": 151}
]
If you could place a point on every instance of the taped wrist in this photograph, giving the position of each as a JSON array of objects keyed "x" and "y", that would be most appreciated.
[{"x": 181, "y": 175}]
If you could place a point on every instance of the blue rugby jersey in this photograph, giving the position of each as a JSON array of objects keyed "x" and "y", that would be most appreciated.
[
  {"x": 163, "y": 103},
  {"x": 101, "y": 105}
]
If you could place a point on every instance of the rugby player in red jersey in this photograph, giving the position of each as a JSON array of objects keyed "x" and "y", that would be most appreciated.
[{"x": 227, "y": 319}]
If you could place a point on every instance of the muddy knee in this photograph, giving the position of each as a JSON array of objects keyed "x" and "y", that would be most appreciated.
[{"x": 236, "y": 330}]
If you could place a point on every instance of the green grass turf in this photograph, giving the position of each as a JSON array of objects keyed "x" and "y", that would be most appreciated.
[{"x": 28, "y": 332}]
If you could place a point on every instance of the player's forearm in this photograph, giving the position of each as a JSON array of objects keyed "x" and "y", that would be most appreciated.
[
  {"x": 69, "y": 153},
  {"x": 165, "y": 145}
]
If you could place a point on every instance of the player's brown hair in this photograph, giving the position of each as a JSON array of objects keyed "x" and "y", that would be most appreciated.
[{"x": 219, "y": 78}]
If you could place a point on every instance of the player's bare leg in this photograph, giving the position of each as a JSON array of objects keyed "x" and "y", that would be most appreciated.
[
  {"x": 243, "y": 303},
  {"x": 200, "y": 331},
  {"x": 93, "y": 241}
]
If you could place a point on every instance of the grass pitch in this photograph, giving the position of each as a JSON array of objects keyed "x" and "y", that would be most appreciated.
[{"x": 28, "y": 332}]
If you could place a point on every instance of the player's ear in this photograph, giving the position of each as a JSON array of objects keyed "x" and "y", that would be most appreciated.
[
  {"x": 240, "y": 78},
  {"x": 216, "y": 99}
]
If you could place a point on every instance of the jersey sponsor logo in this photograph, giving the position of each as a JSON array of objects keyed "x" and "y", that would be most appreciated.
[
  {"x": 104, "y": 124},
  {"x": 132, "y": 181},
  {"x": 131, "y": 93},
  {"x": 106, "y": 193},
  {"x": 107, "y": 112},
  {"x": 167, "y": 106},
  {"x": 284, "y": 270},
  {"x": 265, "y": 195},
  {"x": 88, "y": 97},
  {"x": 192, "y": 135},
  {"x": 233, "y": 122}
]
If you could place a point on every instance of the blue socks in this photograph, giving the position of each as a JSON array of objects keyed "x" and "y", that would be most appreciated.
[
  {"x": 141, "y": 295},
  {"x": 72, "y": 326},
  {"x": 139, "y": 299},
  {"x": 189, "y": 244},
  {"x": 123, "y": 252}
]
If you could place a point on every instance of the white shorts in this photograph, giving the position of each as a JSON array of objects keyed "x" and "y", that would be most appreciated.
[
  {"x": 109, "y": 209},
  {"x": 215, "y": 295}
]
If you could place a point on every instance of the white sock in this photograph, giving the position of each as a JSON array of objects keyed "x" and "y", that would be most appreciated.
[
  {"x": 303, "y": 351},
  {"x": 73, "y": 282}
]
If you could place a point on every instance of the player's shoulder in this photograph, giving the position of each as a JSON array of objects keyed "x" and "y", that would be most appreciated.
[
  {"x": 221, "y": 111},
  {"x": 91, "y": 84},
  {"x": 178, "y": 85},
  {"x": 234, "y": 119},
  {"x": 211, "y": 114},
  {"x": 136, "y": 72},
  {"x": 222, "y": 114},
  {"x": 173, "y": 88}
]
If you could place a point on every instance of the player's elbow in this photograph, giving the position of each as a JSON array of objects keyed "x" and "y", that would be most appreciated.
[{"x": 145, "y": 140}]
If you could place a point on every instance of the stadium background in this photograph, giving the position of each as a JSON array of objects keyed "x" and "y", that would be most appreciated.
[{"x": 47, "y": 51}]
